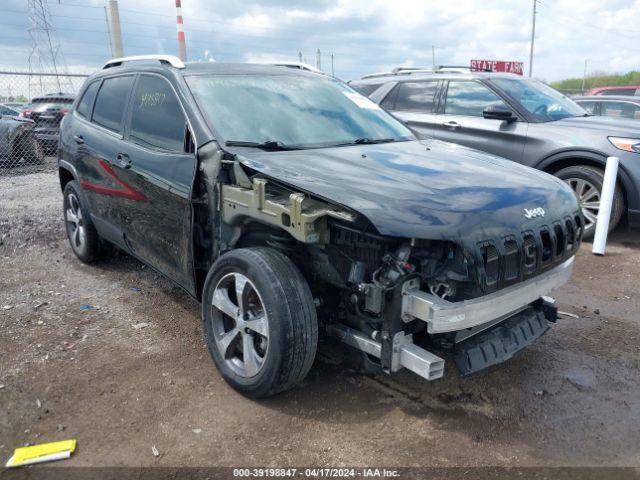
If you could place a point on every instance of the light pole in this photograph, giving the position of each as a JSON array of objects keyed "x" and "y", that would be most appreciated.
[
  {"x": 533, "y": 37},
  {"x": 584, "y": 75}
]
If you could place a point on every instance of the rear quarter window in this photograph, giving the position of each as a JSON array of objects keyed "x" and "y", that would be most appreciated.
[
  {"x": 366, "y": 89},
  {"x": 86, "y": 102}
]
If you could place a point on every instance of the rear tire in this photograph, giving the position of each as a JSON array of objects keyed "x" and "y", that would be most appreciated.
[
  {"x": 263, "y": 340},
  {"x": 83, "y": 237},
  {"x": 587, "y": 181},
  {"x": 28, "y": 148}
]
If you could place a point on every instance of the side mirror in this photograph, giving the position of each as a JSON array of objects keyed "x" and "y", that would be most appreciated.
[{"x": 498, "y": 112}]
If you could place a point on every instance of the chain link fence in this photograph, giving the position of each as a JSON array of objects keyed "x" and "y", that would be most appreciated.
[{"x": 32, "y": 105}]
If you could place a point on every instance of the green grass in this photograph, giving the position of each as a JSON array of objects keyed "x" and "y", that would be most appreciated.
[{"x": 598, "y": 80}]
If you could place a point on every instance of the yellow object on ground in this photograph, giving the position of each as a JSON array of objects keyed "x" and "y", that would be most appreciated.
[{"x": 45, "y": 452}]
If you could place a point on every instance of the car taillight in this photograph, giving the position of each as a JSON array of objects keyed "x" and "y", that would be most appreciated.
[
  {"x": 26, "y": 113},
  {"x": 64, "y": 111}
]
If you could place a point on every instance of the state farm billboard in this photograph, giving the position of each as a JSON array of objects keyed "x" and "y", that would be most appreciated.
[{"x": 497, "y": 66}]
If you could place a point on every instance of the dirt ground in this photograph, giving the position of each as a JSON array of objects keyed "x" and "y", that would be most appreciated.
[{"x": 113, "y": 355}]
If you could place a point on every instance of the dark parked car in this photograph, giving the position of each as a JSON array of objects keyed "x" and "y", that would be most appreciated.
[
  {"x": 18, "y": 144},
  {"x": 611, "y": 106},
  {"x": 523, "y": 120},
  {"x": 47, "y": 112},
  {"x": 9, "y": 111},
  {"x": 625, "y": 90},
  {"x": 292, "y": 207}
]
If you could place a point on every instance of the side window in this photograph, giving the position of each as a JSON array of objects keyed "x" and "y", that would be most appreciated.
[
  {"x": 588, "y": 106},
  {"x": 111, "y": 102},
  {"x": 470, "y": 99},
  {"x": 157, "y": 120},
  {"x": 618, "y": 91},
  {"x": 86, "y": 102},
  {"x": 620, "y": 109},
  {"x": 415, "y": 96}
]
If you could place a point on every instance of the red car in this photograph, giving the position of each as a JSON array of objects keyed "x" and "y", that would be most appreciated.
[{"x": 617, "y": 90}]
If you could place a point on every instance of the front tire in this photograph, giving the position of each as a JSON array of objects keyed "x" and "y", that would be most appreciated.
[
  {"x": 260, "y": 321},
  {"x": 586, "y": 182},
  {"x": 83, "y": 237}
]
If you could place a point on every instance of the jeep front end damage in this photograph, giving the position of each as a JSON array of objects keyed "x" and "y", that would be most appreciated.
[
  {"x": 444, "y": 316},
  {"x": 303, "y": 218},
  {"x": 398, "y": 302}
]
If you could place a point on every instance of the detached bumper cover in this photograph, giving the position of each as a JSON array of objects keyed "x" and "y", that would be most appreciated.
[
  {"x": 501, "y": 342},
  {"x": 443, "y": 316}
]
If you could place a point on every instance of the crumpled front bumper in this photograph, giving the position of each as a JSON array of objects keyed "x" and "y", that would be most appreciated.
[{"x": 443, "y": 316}]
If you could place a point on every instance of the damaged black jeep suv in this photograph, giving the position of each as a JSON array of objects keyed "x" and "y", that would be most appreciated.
[{"x": 294, "y": 208}]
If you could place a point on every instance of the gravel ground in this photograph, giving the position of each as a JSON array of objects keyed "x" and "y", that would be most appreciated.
[{"x": 133, "y": 372}]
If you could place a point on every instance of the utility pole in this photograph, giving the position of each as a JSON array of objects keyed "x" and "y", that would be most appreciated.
[
  {"x": 332, "y": 71},
  {"x": 182, "y": 46},
  {"x": 318, "y": 60},
  {"x": 106, "y": 19},
  {"x": 116, "y": 32},
  {"x": 300, "y": 57},
  {"x": 533, "y": 37},
  {"x": 433, "y": 57}
]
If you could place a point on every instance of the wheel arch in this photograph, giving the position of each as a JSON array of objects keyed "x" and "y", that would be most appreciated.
[
  {"x": 246, "y": 232},
  {"x": 66, "y": 173},
  {"x": 570, "y": 158}
]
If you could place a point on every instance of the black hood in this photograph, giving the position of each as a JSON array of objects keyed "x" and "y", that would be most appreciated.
[{"x": 429, "y": 190}]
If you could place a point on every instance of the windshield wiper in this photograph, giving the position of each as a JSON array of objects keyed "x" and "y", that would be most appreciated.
[
  {"x": 266, "y": 145},
  {"x": 371, "y": 141}
]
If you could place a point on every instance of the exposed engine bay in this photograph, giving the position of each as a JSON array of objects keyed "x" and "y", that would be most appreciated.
[{"x": 380, "y": 294}]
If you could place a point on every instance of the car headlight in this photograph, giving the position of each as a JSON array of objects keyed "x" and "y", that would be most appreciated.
[{"x": 626, "y": 144}]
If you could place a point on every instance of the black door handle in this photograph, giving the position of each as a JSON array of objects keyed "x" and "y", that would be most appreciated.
[
  {"x": 123, "y": 160},
  {"x": 78, "y": 139}
]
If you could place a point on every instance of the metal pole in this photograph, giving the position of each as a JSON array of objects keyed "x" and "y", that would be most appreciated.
[
  {"x": 116, "y": 32},
  {"x": 533, "y": 37},
  {"x": 300, "y": 57},
  {"x": 318, "y": 61},
  {"x": 606, "y": 202},
  {"x": 106, "y": 19},
  {"x": 433, "y": 57},
  {"x": 182, "y": 46},
  {"x": 584, "y": 76},
  {"x": 332, "y": 71}
]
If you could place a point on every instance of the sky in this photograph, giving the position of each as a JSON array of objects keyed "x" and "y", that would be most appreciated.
[{"x": 364, "y": 36}]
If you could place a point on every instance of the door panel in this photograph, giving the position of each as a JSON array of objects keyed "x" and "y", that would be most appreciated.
[
  {"x": 462, "y": 122},
  {"x": 155, "y": 163},
  {"x": 96, "y": 147}
]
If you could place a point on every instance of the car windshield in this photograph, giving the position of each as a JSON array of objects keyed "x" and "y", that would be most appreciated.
[
  {"x": 542, "y": 101},
  {"x": 301, "y": 111}
]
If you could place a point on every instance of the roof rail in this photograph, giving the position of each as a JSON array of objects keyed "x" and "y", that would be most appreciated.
[
  {"x": 375, "y": 75},
  {"x": 398, "y": 70},
  {"x": 411, "y": 70},
  {"x": 298, "y": 65},
  {"x": 171, "y": 60}
]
